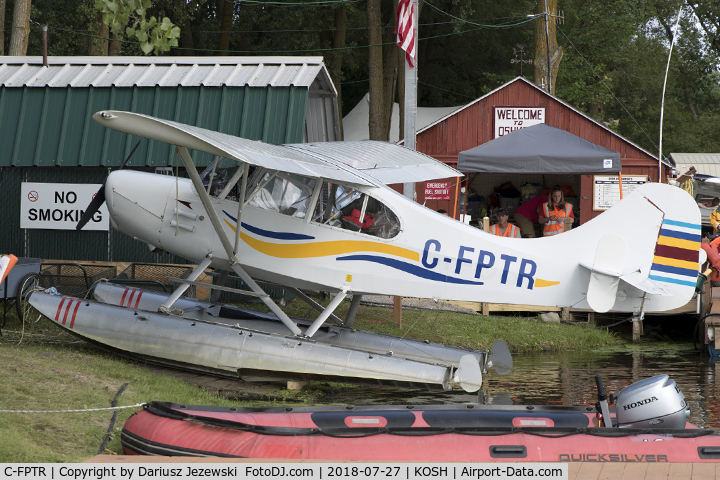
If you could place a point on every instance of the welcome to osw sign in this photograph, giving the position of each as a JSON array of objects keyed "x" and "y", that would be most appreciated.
[
  {"x": 59, "y": 206},
  {"x": 509, "y": 119}
]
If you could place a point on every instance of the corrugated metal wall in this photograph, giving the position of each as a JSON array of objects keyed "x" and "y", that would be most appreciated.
[
  {"x": 64, "y": 244},
  {"x": 42, "y": 129},
  {"x": 54, "y": 126}
]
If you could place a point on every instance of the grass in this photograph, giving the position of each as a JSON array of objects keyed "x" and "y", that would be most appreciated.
[{"x": 47, "y": 369}]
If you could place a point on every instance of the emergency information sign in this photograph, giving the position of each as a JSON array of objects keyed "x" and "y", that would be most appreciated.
[
  {"x": 437, "y": 190},
  {"x": 59, "y": 206},
  {"x": 509, "y": 119}
]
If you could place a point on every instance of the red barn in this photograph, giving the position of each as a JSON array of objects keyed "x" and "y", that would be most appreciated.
[{"x": 498, "y": 113}]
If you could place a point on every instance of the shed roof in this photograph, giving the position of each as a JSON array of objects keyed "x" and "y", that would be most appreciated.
[
  {"x": 705, "y": 163},
  {"x": 63, "y": 72},
  {"x": 45, "y": 112}
]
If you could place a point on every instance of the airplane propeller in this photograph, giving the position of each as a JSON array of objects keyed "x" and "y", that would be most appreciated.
[{"x": 99, "y": 197}]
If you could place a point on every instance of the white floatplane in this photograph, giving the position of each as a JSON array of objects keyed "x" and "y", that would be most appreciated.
[{"x": 322, "y": 217}]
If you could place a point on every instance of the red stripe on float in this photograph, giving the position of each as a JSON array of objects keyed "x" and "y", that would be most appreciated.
[
  {"x": 72, "y": 320},
  {"x": 122, "y": 300},
  {"x": 57, "y": 314},
  {"x": 67, "y": 310},
  {"x": 138, "y": 299},
  {"x": 132, "y": 294}
]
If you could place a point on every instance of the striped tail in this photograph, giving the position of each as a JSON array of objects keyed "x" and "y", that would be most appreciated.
[{"x": 676, "y": 253}]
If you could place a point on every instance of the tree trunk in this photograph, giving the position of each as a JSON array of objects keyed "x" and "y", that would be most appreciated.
[
  {"x": 2, "y": 27},
  {"x": 115, "y": 46},
  {"x": 336, "y": 60},
  {"x": 375, "y": 70},
  {"x": 98, "y": 44},
  {"x": 390, "y": 67},
  {"x": 225, "y": 27},
  {"x": 542, "y": 40},
  {"x": 20, "y": 28}
]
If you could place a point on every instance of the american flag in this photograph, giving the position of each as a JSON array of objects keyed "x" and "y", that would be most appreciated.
[{"x": 405, "y": 30}]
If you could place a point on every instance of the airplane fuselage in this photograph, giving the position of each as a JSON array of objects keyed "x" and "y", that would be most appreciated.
[{"x": 429, "y": 255}]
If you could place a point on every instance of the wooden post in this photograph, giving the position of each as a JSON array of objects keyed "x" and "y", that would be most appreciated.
[
  {"x": 637, "y": 330},
  {"x": 397, "y": 311},
  {"x": 296, "y": 384},
  {"x": 486, "y": 224},
  {"x": 591, "y": 318}
]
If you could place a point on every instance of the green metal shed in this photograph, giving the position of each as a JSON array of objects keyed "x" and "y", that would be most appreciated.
[{"x": 47, "y": 134}]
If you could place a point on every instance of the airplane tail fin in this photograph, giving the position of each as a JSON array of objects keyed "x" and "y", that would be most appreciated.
[{"x": 650, "y": 242}]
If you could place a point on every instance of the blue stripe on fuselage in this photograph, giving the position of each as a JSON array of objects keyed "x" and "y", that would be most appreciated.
[{"x": 415, "y": 270}]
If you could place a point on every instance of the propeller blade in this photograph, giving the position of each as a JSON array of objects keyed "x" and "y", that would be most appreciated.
[
  {"x": 500, "y": 358},
  {"x": 99, "y": 197},
  {"x": 94, "y": 206}
]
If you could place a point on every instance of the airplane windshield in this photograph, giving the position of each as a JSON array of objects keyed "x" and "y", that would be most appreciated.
[
  {"x": 345, "y": 207},
  {"x": 220, "y": 174},
  {"x": 284, "y": 193}
]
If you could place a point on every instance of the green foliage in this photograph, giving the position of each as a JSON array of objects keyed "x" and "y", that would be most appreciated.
[
  {"x": 615, "y": 52},
  {"x": 129, "y": 18}
]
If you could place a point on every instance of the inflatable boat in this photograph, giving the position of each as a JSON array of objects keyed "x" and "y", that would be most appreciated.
[{"x": 649, "y": 425}]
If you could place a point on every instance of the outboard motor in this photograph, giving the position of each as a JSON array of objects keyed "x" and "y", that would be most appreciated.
[{"x": 655, "y": 402}]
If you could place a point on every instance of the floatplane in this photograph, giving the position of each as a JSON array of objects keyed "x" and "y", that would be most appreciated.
[{"x": 321, "y": 216}]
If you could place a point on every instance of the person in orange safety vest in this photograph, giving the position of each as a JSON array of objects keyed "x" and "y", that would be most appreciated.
[
  {"x": 554, "y": 212},
  {"x": 502, "y": 228}
]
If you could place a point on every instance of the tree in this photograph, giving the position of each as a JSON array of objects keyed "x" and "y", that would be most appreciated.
[
  {"x": 2, "y": 27},
  {"x": 129, "y": 18},
  {"x": 375, "y": 71},
  {"x": 546, "y": 46},
  {"x": 20, "y": 28}
]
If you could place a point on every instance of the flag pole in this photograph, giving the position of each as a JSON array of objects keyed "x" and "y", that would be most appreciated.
[{"x": 411, "y": 96}]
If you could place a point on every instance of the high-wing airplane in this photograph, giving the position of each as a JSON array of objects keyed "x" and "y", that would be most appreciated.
[{"x": 321, "y": 216}]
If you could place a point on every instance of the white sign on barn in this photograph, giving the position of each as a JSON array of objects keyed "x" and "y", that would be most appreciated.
[{"x": 509, "y": 119}]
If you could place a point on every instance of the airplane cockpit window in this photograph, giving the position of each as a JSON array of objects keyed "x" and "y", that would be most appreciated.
[
  {"x": 283, "y": 192},
  {"x": 345, "y": 207},
  {"x": 220, "y": 178}
]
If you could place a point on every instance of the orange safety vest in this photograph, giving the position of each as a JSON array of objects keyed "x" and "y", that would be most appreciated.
[
  {"x": 553, "y": 228},
  {"x": 509, "y": 231}
]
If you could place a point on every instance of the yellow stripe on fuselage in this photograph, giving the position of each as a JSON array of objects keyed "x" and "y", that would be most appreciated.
[
  {"x": 676, "y": 242},
  {"x": 325, "y": 249},
  {"x": 539, "y": 282}
]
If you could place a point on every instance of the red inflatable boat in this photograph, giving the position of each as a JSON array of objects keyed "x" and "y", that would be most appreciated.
[{"x": 441, "y": 433}]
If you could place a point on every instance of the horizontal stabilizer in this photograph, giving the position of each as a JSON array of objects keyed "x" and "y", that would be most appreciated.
[
  {"x": 642, "y": 282},
  {"x": 605, "y": 273}
]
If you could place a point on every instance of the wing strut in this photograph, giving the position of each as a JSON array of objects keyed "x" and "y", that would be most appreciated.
[
  {"x": 227, "y": 246},
  {"x": 327, "y": 312},
  {"x": 167, "y": 306}
]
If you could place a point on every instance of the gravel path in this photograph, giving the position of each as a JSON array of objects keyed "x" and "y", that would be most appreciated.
[{"x": 418, "y": 303}]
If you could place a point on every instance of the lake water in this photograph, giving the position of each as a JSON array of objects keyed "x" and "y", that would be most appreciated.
[{"x": 569, "y": 379}]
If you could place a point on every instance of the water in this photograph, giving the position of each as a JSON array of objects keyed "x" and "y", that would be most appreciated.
[{"x": 569, "y": 379}]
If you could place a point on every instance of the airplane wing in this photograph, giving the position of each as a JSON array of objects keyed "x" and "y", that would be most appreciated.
[
  {"x": 386, "y": 162},
  {"x": 361, "y": 163}
]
